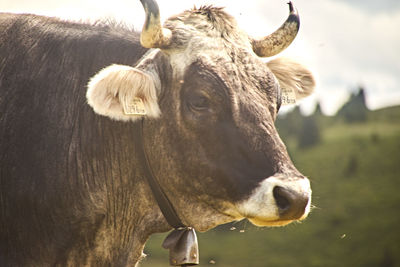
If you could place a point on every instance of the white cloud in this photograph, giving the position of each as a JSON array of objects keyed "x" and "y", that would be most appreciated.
[{"x": 352, "y": 46}]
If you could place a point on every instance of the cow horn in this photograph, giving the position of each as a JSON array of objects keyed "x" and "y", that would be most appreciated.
[
  {"x": 153, "y": 34},
  {"x": 280, "y": 39}
]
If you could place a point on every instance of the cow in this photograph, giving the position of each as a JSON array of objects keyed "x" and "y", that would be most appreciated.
[{"x": 73, "y": 189}]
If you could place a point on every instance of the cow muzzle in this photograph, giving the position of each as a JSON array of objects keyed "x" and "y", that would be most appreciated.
[
  {"x": 277, "y": 201},
  {"x": 291, "y": 204}
]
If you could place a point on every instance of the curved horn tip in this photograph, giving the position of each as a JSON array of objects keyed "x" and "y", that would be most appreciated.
[
  {"x": 153, "y": 34},
  {"x": 281, "y": 38},
  {"x": 150, "y": 5},
  {"x": 292, "y": 8}
]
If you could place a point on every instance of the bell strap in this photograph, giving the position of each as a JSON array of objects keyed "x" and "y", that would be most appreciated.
[{"x": 182, "y": 241}]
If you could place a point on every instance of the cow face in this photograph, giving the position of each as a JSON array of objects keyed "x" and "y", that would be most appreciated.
[{"x": 211, "y": 103}]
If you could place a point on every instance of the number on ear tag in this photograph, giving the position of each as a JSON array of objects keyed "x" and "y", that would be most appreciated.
[
  {"x": 288, "y": 97},
  {"x": 134, "y": 106}
]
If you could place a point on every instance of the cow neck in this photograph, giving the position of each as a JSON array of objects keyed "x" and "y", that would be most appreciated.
[{"x": 182, "y": 241}]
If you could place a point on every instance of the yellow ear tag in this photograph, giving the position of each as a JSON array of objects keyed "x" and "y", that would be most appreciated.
[
  {"x": 288, "y": 97},
  {"x": 134, "y": 106}
]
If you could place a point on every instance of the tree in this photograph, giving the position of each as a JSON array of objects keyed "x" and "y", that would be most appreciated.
[
  {"x": 355, "y": 110},
  {"x": 309, "y": 133}
]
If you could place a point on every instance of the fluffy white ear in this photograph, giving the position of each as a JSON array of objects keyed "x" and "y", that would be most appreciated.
[
  {"x": 296, "y": 81},
  {"x": 123, "y": 93}
]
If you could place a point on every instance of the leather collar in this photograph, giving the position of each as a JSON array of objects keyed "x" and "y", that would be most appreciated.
[{"x": 182, "y": 241}]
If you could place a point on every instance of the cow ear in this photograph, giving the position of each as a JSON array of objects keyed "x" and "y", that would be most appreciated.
[
  {"x": 295, "y": 80},
  {"x": 123, "y": 93}
]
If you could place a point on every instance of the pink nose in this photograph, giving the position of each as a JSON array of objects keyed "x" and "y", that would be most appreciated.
[{"x": 291, "y": 204}]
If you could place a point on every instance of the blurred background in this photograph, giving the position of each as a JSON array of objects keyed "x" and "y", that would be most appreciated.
[{"x": 345, "y": 138}]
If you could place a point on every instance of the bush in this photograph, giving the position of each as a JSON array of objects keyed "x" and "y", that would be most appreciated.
[{"x": 309, "y": 133}]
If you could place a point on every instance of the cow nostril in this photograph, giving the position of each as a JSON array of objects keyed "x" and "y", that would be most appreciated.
[
  {"x": 281, "y": 198},
  {"x": 291, "y": 204}
]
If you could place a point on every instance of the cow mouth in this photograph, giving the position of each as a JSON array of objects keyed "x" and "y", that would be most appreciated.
[
  {"x": 277, "y": 221},
  {"x": 277, "y": 202},
  {"x": 270, "y": 223}
]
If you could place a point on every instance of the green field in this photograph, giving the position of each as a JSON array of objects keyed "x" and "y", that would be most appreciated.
[{"x": 355, "y": 175}]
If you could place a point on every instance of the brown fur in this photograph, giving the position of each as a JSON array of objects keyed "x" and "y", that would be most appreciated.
[{"x": 73, "y": 190}]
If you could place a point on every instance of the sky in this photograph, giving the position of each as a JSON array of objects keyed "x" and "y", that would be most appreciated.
[{"x": 346, "y": 43}]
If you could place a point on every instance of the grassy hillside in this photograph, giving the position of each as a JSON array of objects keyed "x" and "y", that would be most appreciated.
[{"x": 355, "y": 176}]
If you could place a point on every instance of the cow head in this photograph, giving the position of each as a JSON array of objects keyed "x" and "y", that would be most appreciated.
[{"x": 210, "y": 105}]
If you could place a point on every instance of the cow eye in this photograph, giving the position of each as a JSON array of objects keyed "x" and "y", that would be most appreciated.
[{"x": 199, "y": 102}]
